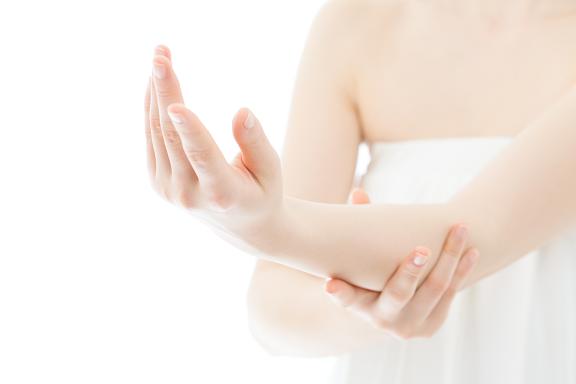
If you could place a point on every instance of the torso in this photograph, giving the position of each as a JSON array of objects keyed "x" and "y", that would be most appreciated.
[{"x": 422, "y": 75}]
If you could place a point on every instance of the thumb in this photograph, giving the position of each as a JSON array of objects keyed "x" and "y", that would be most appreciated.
[
  {"x": 359, "y": 196},
  {"x": 257, "y": 153}
]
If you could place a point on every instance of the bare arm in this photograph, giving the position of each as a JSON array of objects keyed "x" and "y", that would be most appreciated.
[
  {"x": 245, "y": 199},
  {"x": 526, "y": 195},
  {"x": 356, "y": 240},
  {"x": 289, "y": 312}
]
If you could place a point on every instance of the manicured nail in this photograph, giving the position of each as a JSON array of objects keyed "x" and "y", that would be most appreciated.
[
  {"x": 176, "y": 118},
  {"x": 159, "y": 70},
  {"x": 461, "y": 232},
  {"x": 421, "y": 257},
  {"x": 159, "y": 50},
  {"x": 250, "y": 121},
  {"x": 473, "y": 256}
]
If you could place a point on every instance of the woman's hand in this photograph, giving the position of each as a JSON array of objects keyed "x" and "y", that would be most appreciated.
[
  {"x": 188, "y": 169},
  {"x": 406, "y": 308}
]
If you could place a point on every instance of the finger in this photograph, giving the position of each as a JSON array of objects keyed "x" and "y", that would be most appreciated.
[
  {"x": 440, "y": 278},
  {"x": 349, "y": 296},
  {"x": 161, "y": 157},
  {"x": 150, "y": 156},
  {"x": 203, "y": 154},
  {"x": 400, "y": 289},
  {"x": 163, "y": 50},
  {"x": 168, "y": 92},
  {"x": 465, "y": 267},
  {"x": 359, "y": 196},
  {"x": 257, "y": 153}
]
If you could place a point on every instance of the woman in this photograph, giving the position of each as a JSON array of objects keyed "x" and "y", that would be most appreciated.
[{"x": 469, "y": 109}]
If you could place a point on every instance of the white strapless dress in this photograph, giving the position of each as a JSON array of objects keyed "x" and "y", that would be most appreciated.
[{"x": 516, "y": 326}]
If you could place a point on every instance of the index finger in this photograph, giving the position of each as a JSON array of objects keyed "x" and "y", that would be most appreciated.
[
  {"x": 440, "y": 278},
  {"x": 207, "y": 160}
]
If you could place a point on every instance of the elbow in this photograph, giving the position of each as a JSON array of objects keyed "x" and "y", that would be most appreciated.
[
  {"x": 264, "y": 324},
  {"x": 272, "y": 328},
  {"x": 281, "y": 329}
]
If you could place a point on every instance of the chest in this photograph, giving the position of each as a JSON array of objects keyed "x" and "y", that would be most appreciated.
[{"x": 430, "y": 83}]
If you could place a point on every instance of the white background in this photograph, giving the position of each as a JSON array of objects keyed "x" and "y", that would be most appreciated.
[{"x": 101, "y": 281}]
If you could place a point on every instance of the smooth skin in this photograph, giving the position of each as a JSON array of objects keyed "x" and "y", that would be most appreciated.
[
  {"x": 402, "y": 309},
  {"x": 179, "y": 171},
  {"x": 187, "y": 168},
  {"x": 503, "y": 206}
]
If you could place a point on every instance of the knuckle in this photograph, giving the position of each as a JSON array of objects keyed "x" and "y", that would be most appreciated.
[
  {"x": 171, "y": 137},
  {"x": 396, "y": 294},
  {"x": 164, "y": 91},
  {"x": 220, "y": 199},
  {"x": 411, "y": 274},
  {"x": 155, "y": 124},
  {"x": 200, "y": 157},
  {"x": 452, "y": 253},
  {"x": 437, "y": 285}
]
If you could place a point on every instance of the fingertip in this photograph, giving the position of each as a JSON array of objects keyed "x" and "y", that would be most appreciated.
[
  {"x": 359, "y": 196},
  {"x": 250, "y": 121},
  {"x": 461, "y": 231},
  {"x": 420, "y": 256},
  {"x": 176, "y": 108},
  {"x": 331, "y": 286},
  {"x": 163, "y": 50},
  {"x": 473, "y": 256},
  {"x": 160, "y": 60}
]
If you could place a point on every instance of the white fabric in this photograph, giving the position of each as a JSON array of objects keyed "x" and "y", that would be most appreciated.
[{"x": 516, "y": 326}]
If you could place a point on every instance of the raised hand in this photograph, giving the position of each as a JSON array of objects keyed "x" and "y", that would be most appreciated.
[
  {"x": 187, "y": 168},
  {"x": 401, "y": 308}
]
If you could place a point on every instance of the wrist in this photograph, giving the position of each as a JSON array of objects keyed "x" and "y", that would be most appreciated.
[{"x": 272, "y": 235}]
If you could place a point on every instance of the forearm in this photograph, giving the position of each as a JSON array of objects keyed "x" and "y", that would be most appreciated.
[
  {"x": 362, "y": 244},
  {"x": 518, "y": 202}
]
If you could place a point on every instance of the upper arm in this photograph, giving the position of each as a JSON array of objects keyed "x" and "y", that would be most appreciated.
[
  {"x": 323, "y": 133},
  {"x": 524, "y": 197}
]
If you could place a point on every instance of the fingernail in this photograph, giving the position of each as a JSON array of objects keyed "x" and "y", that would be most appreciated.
[
  {"x": 474, "y": 255},
  {"x": 421, "y": 257},
  {"x": 159, "y": 50},
  {"x": 176, "y": 118},
  {"x": 250, "y": 121},
  {"x": 462, "y": 231},
  {"x": 159, "y": 70}
]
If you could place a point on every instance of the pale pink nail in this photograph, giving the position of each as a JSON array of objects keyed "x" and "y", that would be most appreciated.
[
  {"x": 176, "y": 118},
  {"x": 421, "y": 257},
  {"x": 250, "y": 121}
]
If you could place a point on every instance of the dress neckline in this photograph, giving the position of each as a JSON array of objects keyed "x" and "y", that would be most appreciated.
[{"x": 454, "y": 140}]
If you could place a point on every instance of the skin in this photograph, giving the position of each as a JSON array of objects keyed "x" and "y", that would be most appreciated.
[
  {"x": 401, "y": 309},
  {"x": 248, "y": 202}
]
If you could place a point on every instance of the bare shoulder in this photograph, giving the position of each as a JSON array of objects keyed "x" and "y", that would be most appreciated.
[
  {"x": 355, "y": 18},
  {"x": 346, "y": 33}
]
